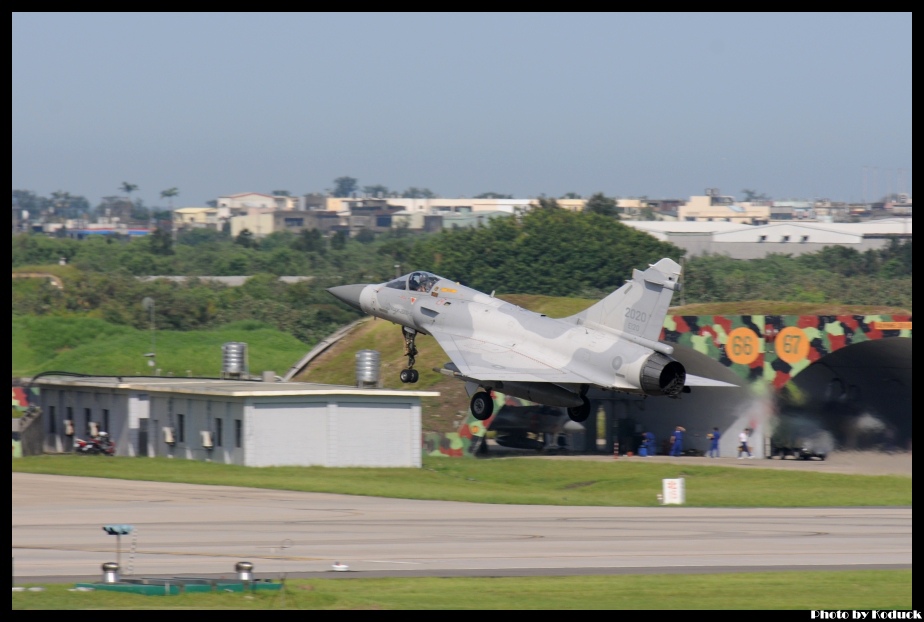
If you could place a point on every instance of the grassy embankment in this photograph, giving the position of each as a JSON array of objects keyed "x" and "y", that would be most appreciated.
[{"x": 92, "y": 346}]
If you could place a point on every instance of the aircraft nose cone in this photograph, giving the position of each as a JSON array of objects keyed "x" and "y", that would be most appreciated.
[{"x": 348, "y": 294}]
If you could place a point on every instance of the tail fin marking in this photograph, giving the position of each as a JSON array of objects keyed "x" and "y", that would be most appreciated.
[{"x": 640, "y": 305}]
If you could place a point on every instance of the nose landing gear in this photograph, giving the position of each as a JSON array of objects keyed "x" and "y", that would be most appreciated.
[{"x": 409, "y": 375}]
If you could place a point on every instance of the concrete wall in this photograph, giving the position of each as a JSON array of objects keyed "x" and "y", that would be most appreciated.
[{"x": 28, "y": 430}]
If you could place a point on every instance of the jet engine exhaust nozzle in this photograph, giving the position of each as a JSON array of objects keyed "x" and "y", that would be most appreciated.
[{"x": 663, "y": 375}]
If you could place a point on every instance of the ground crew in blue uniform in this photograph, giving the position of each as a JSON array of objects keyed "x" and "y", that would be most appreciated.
[
  {"x": 714, "y": 442},
  {"x": 677, "y": 441},
  {"x": 648, "y": 442}
]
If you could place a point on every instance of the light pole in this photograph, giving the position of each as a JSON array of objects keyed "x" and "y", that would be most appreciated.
[{"x": 148, "y": 303}]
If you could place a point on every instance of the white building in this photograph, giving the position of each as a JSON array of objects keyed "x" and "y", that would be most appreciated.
[
  {"x": 788, "y": 237},
  {"x": 197, "y": 218},
  {"x": 716, "y": 207},
  {"x": 245, "y": 422},
  {"x": 238, "y": 203}
]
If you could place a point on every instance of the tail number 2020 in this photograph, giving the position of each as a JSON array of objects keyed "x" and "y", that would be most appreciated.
[{"x": 635, "y": 314}]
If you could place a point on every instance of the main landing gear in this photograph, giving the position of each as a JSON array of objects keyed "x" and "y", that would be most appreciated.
[
  {"x": 579, "y": 414},
  {"x": 409, "y": 375},
  {"x": 482, "y": 405}
]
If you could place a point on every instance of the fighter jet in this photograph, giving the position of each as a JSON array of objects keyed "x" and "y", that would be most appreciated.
[{"x": 494, "y": 345}]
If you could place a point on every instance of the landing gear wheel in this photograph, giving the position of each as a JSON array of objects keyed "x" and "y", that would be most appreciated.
[
  {"x": 580, "y": 413},
  {"x": 482, "y": 405},
  {"x": 409, "y": 376}
]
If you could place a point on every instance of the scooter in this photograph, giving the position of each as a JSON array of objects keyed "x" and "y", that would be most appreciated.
[
  {"x": 100, "y": 445},
  {"x": 104, "y": 445},
  {"x": 83, "y": 447}
]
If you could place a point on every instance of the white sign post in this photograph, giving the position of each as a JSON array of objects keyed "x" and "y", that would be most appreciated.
[{"x": 673, "y": 491}]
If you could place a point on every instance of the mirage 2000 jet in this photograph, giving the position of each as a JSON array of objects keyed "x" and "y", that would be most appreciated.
[{"x": 494, "y": 345}]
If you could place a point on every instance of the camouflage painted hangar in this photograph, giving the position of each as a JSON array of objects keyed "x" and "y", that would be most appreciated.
[{"x": 832, "y": 382}]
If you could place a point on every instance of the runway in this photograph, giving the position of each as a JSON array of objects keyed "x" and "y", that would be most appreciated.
[{"x": 203, "y": 531}]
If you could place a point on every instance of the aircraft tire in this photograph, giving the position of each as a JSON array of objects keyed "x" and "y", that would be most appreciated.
[
  {"x": 482, "y": 405},
  {"x": 579, "y": 414}
]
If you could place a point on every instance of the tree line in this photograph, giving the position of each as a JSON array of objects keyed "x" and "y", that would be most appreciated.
[{"x": 547, "y": 251}]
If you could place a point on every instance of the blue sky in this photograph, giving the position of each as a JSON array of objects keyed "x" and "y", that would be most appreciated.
[{"x": 663, "y": 105}]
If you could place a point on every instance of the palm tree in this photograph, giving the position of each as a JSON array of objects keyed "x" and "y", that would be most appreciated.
[
  {"x": 128, "y": 188},
  {"x": 169, "y": 193}
]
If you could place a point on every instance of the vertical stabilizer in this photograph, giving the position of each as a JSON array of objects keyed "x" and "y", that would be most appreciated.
[{"x": 640, "y": 305}]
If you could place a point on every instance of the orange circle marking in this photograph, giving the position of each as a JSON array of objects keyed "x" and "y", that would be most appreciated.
[
  {"x": 792, "y": 344},
  {"x": 743, "y": 346}
]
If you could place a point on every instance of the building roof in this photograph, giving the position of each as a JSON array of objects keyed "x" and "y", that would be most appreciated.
[
  {"x": 249, "y": 194},
  {"x": 194, "y": 210},
  {"x": 219, "y": 387},
  {"x": 681, "y": 226},
  {"x": 884, "y": 226},
  {"x": 664, "y": 229}
]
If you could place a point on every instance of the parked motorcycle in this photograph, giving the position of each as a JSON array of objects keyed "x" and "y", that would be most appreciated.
[{"x": 100, "y": 445}]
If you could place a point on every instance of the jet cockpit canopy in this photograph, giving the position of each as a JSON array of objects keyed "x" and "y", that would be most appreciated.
[{"x": 417, "y": 281}]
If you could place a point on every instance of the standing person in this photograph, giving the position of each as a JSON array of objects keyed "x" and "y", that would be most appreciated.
[
  {"x": 714, "y": 442},
  {"x": 646, "y": 448},
  {"x": 743, "y": 444},
  {"x": 650, "y": 443},
  {"x": 677, "y": 440}
]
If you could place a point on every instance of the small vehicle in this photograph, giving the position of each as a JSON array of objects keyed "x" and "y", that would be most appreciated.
[
  {"x": 798, "y": 452},
  {"x": 800, "y": 440},
  {"x": 97, "y": 445}
]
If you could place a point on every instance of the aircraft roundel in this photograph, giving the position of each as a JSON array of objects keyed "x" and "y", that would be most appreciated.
[{"x": 475, "y": 428}]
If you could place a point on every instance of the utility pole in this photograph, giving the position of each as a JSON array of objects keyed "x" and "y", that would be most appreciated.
[{"x": 148, "y": 303}]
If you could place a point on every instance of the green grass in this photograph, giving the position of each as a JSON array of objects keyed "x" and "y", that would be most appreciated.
[
  {"x": 789, "y": 590},
  {"x": 92, "y": 346},
  {"x": 528, "y": 481}
]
